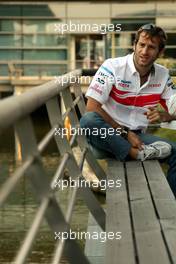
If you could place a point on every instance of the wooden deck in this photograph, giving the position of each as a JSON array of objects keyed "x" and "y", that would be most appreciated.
[{"x": 143, "y": 209}]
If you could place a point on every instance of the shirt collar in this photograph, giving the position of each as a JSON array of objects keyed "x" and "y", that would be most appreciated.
[{"x": 131, "y": 64}]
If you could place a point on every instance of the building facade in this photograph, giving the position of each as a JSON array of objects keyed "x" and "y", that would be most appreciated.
[{"x": 48, "y": 37}]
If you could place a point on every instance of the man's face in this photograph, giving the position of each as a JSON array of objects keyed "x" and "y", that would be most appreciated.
[{"x": 146, "y": 51}]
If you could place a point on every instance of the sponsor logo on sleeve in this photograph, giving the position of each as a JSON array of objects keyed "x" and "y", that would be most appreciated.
[
  {"x": 96, "y": 88},
  {"x": 170, "y": 83}
]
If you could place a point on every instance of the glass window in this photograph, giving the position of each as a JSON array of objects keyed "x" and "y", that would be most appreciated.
[
  {"x": 37, "y": 10},
  {"x": 45, "y": 54},
  {"x": 122, "y": 52},
  {"x": 34, "y": 26},
  {"x": 26, "y": 10},
  {"x": 4, "y": 70},
  {"x": 10, "y": 10},
  {"x": 44, "y": 40},
  {"x": 124, "y": 39},
  {"x": 61, "y": 39},
  {"x": 10, "y": 55},
  {"x": 10, "y": 25},
  {"x": 89, "y": 51},
  {"x": 46, "y": 70},
  {"x": 10, "y": 40},
  {"x": 34, "y": 36}
]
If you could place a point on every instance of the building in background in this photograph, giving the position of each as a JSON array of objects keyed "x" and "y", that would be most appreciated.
[{"x": 31, "y": 44}]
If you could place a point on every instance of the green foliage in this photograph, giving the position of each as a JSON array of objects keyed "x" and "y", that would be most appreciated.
[{"x": 165, "y": 133}]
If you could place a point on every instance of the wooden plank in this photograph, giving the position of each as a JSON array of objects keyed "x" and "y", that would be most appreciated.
[
  {"x": 161, "y": 190},
  {"x": 118, "y": 219},
  {"x": 151, "y": 248},
  {"x": 149, "y": 241},
  {"x": 166, "y": 209},
  {"x": 155, "y": 238},
  {"x": 157, "y": 180},
  {"x": 144, "y": 216},
  {"x": 139, "y": 190},
  {"x": 165, "y": 205},
  {"x": 169, "y": 230}
]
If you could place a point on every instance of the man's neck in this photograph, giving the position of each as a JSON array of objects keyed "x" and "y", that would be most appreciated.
[
  {"x": 144, "y": 75},
  {"x": 143, "y": 79}
]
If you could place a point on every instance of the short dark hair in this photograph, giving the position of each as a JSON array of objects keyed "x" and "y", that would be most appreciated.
[{"x": 152, "y": 31}]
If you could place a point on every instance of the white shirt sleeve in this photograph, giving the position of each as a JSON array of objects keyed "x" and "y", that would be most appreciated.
[
  {"x": 102, "y": 83},
  {"x": 168, "y": 89}
]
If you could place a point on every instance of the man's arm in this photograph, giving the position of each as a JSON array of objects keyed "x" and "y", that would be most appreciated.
[
  {"x": 95, "y": 106},
  {"x": 153, "y": 115}
]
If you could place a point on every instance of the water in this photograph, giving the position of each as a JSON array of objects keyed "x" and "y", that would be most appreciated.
[{"x": 19, "y": 210}]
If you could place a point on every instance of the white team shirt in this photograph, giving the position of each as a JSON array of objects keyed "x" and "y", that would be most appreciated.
[{"x": 116, "y": 85}]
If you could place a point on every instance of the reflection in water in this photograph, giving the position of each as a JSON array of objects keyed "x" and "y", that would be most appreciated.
[
  {"x": 19, "y": 210},
  {"x": 17, "y": 214}
]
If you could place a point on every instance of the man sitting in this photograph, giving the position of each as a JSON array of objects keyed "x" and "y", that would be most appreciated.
[{"x": 122, "y": 99}]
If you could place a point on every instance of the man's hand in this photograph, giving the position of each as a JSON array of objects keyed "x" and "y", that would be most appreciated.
[
  {"x": 135, "y": 140},
  {"x": 153, "y": 115}
]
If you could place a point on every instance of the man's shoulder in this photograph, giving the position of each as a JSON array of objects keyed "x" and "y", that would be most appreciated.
[{"x": 160, "y": 69}]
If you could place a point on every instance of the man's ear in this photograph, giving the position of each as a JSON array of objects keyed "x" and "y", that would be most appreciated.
[{"x": 134, "y": 46}]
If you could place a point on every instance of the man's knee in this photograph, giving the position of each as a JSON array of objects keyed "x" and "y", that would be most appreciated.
[{"x": 88, "y": 119}]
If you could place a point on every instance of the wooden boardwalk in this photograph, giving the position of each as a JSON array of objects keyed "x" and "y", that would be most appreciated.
[{"x": 143, "y": 209}]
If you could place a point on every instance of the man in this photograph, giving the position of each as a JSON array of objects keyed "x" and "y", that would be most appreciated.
[{"x": 123, "y": 97}]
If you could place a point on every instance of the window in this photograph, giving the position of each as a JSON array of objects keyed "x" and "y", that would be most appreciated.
[
  {"x": 89, "y": 51},
  {"x": 28, "y": 37}
]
